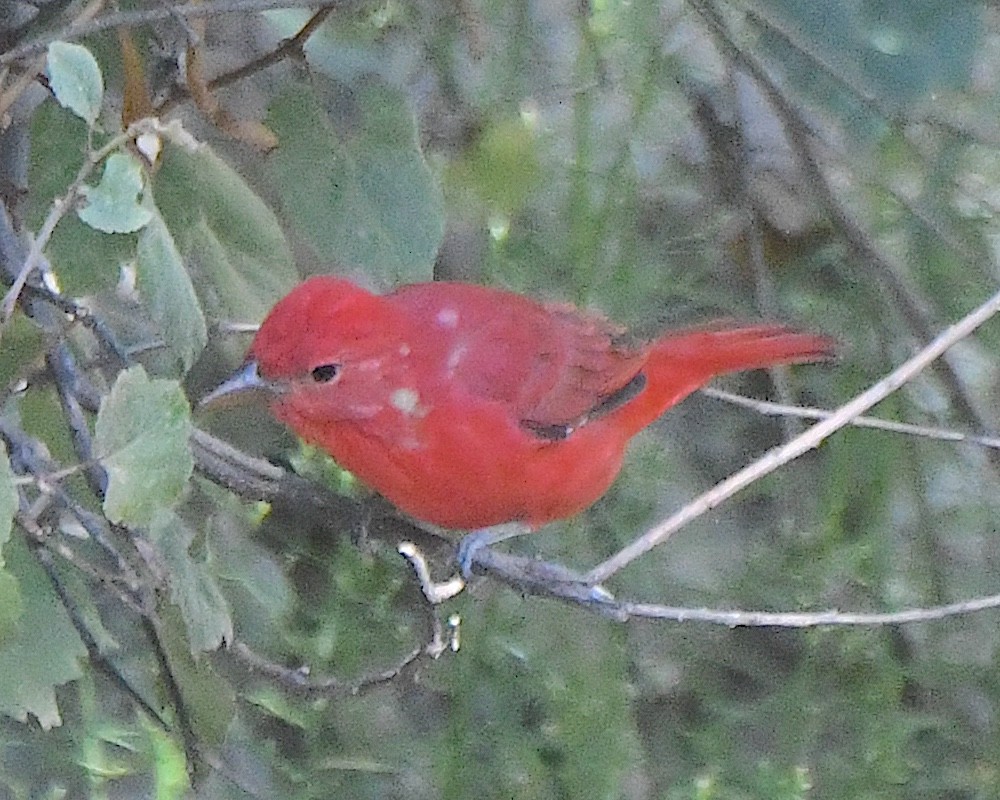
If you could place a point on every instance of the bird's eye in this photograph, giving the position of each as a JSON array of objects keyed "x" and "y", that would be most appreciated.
[{"x": 325, "y": 373}]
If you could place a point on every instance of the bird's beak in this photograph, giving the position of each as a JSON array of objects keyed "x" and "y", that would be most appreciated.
[{"x": 245, "y": 382}]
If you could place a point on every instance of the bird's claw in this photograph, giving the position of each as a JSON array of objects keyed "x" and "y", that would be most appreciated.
[{"x": 467, "y": 549}]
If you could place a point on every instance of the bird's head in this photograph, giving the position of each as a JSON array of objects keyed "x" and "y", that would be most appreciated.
[{"x": 321, "y": 327}]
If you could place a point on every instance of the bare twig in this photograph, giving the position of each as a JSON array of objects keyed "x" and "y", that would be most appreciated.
[
  {"x": 530, "y": 576},
  {"x": 147, "y": 16},
  {"x": 791, "y": 450},
  {"x": 97, "y": 656},
  {"x": 59, "y": 208},
  {"x": 300, "y": 680},
  {"x": 818, "y": 619},
  {"x": 541, "y": 579},
  {"x": 294, "y": 46},
  {"x": 805, "y": 412}
]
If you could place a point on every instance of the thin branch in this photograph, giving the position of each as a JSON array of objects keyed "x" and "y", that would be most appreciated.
[
  {"x": 78, "y": 313},
  {"x": 134, "y": 19},
  {"x": 31, "y": 72},
  {"x": 541, "y": 579},
  {"x": 29, "y": 455},
  {"x": 528, "y": 575},
  {"x": 791, "y": 450},
  {"x": 62, "y": 365},
  {"x": 806, "y": 412},
  {"x": 152, "y": 627},
  {"x": 850, "y": 79},
  {"x": 906, "y": 298},
  {"x": 106, "y": 580},
  {"x": 295, "y": 46},
  {"x": 59, "y": 208},
  {"x": 818, "y": 619},
  {"x": 96, "y": 655},
  {"x": 300, "y": 681}
]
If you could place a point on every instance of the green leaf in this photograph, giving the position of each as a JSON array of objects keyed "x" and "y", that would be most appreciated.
[
  {"x": 141, "y": 437},
  {"x": 502, "y": 168},
  {"x": 255, "y": 584},
  {"x": 359, "y": 191},
  {"x": 84, "y": 259},
  {"x": 170, "y": 765},
  {"x": 239, "y": 259},
  {"x": 10, "y": 595},
  {"x": 165, "y": 285},
  {"x": 76, "y": 79},
  {"x": 192, "y": 587},
  {"x": 46, "y": 651},
  {"x": 113, "y": 205},
  {"x": 11, "y": 606},
  {"x": 210, "y": 699},
  {"x": 8, "y": 498}
]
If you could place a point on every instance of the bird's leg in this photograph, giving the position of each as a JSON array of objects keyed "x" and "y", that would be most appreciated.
[
  {"x": 475, "y": 541},
  {"x": 550, "y": 578}
]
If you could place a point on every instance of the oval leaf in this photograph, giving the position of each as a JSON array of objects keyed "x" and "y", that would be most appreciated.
[
  {"x": 241, "y": 263},
  {"x": 165, "y": 285},
  {"x": 8, "y": 497},
  {"x": 193, "y": 589},
  {"x": 141, "y": 437},
  {"x": 360, "y": 192},
  {"x": 75, "y": 79},
  {"x": 113, "y": 205},
  {"x": 10, "y": 595}
]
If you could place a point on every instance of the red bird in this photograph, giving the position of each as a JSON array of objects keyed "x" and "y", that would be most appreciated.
[{"x": 467, "y": 406}]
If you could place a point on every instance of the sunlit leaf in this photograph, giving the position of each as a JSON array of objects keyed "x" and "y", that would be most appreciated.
[
  {"x": 141, "y": 437},
  {"x": 76, "y": 79},
  {"x": 170, "y": 765},
  {"x": 502, "y": 169},
  {"x": 113, "y": 206}
]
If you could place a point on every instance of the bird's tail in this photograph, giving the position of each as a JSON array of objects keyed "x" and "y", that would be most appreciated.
[{"x": 683, "y": 361}]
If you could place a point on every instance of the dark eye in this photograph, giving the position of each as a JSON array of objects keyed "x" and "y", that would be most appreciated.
[{"x": 325, "y": 373}]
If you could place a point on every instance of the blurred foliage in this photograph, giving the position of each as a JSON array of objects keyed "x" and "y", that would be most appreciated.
[{"x": 833, "y": 165}]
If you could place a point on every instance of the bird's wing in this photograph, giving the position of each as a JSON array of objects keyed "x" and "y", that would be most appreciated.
[{"x": 553, "y": 366}]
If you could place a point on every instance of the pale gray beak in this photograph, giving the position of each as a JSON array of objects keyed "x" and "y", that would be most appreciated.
[{"x": 244, "y": 382}]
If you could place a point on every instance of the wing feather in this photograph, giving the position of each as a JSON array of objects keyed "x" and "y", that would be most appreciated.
[{"x": 553, "y": 366}]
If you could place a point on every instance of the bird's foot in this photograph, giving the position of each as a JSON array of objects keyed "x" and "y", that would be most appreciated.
[{"x": 474, "y": 542}]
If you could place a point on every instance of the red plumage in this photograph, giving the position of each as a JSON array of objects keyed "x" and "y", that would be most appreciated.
[{"x": 468, "y": 406}]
